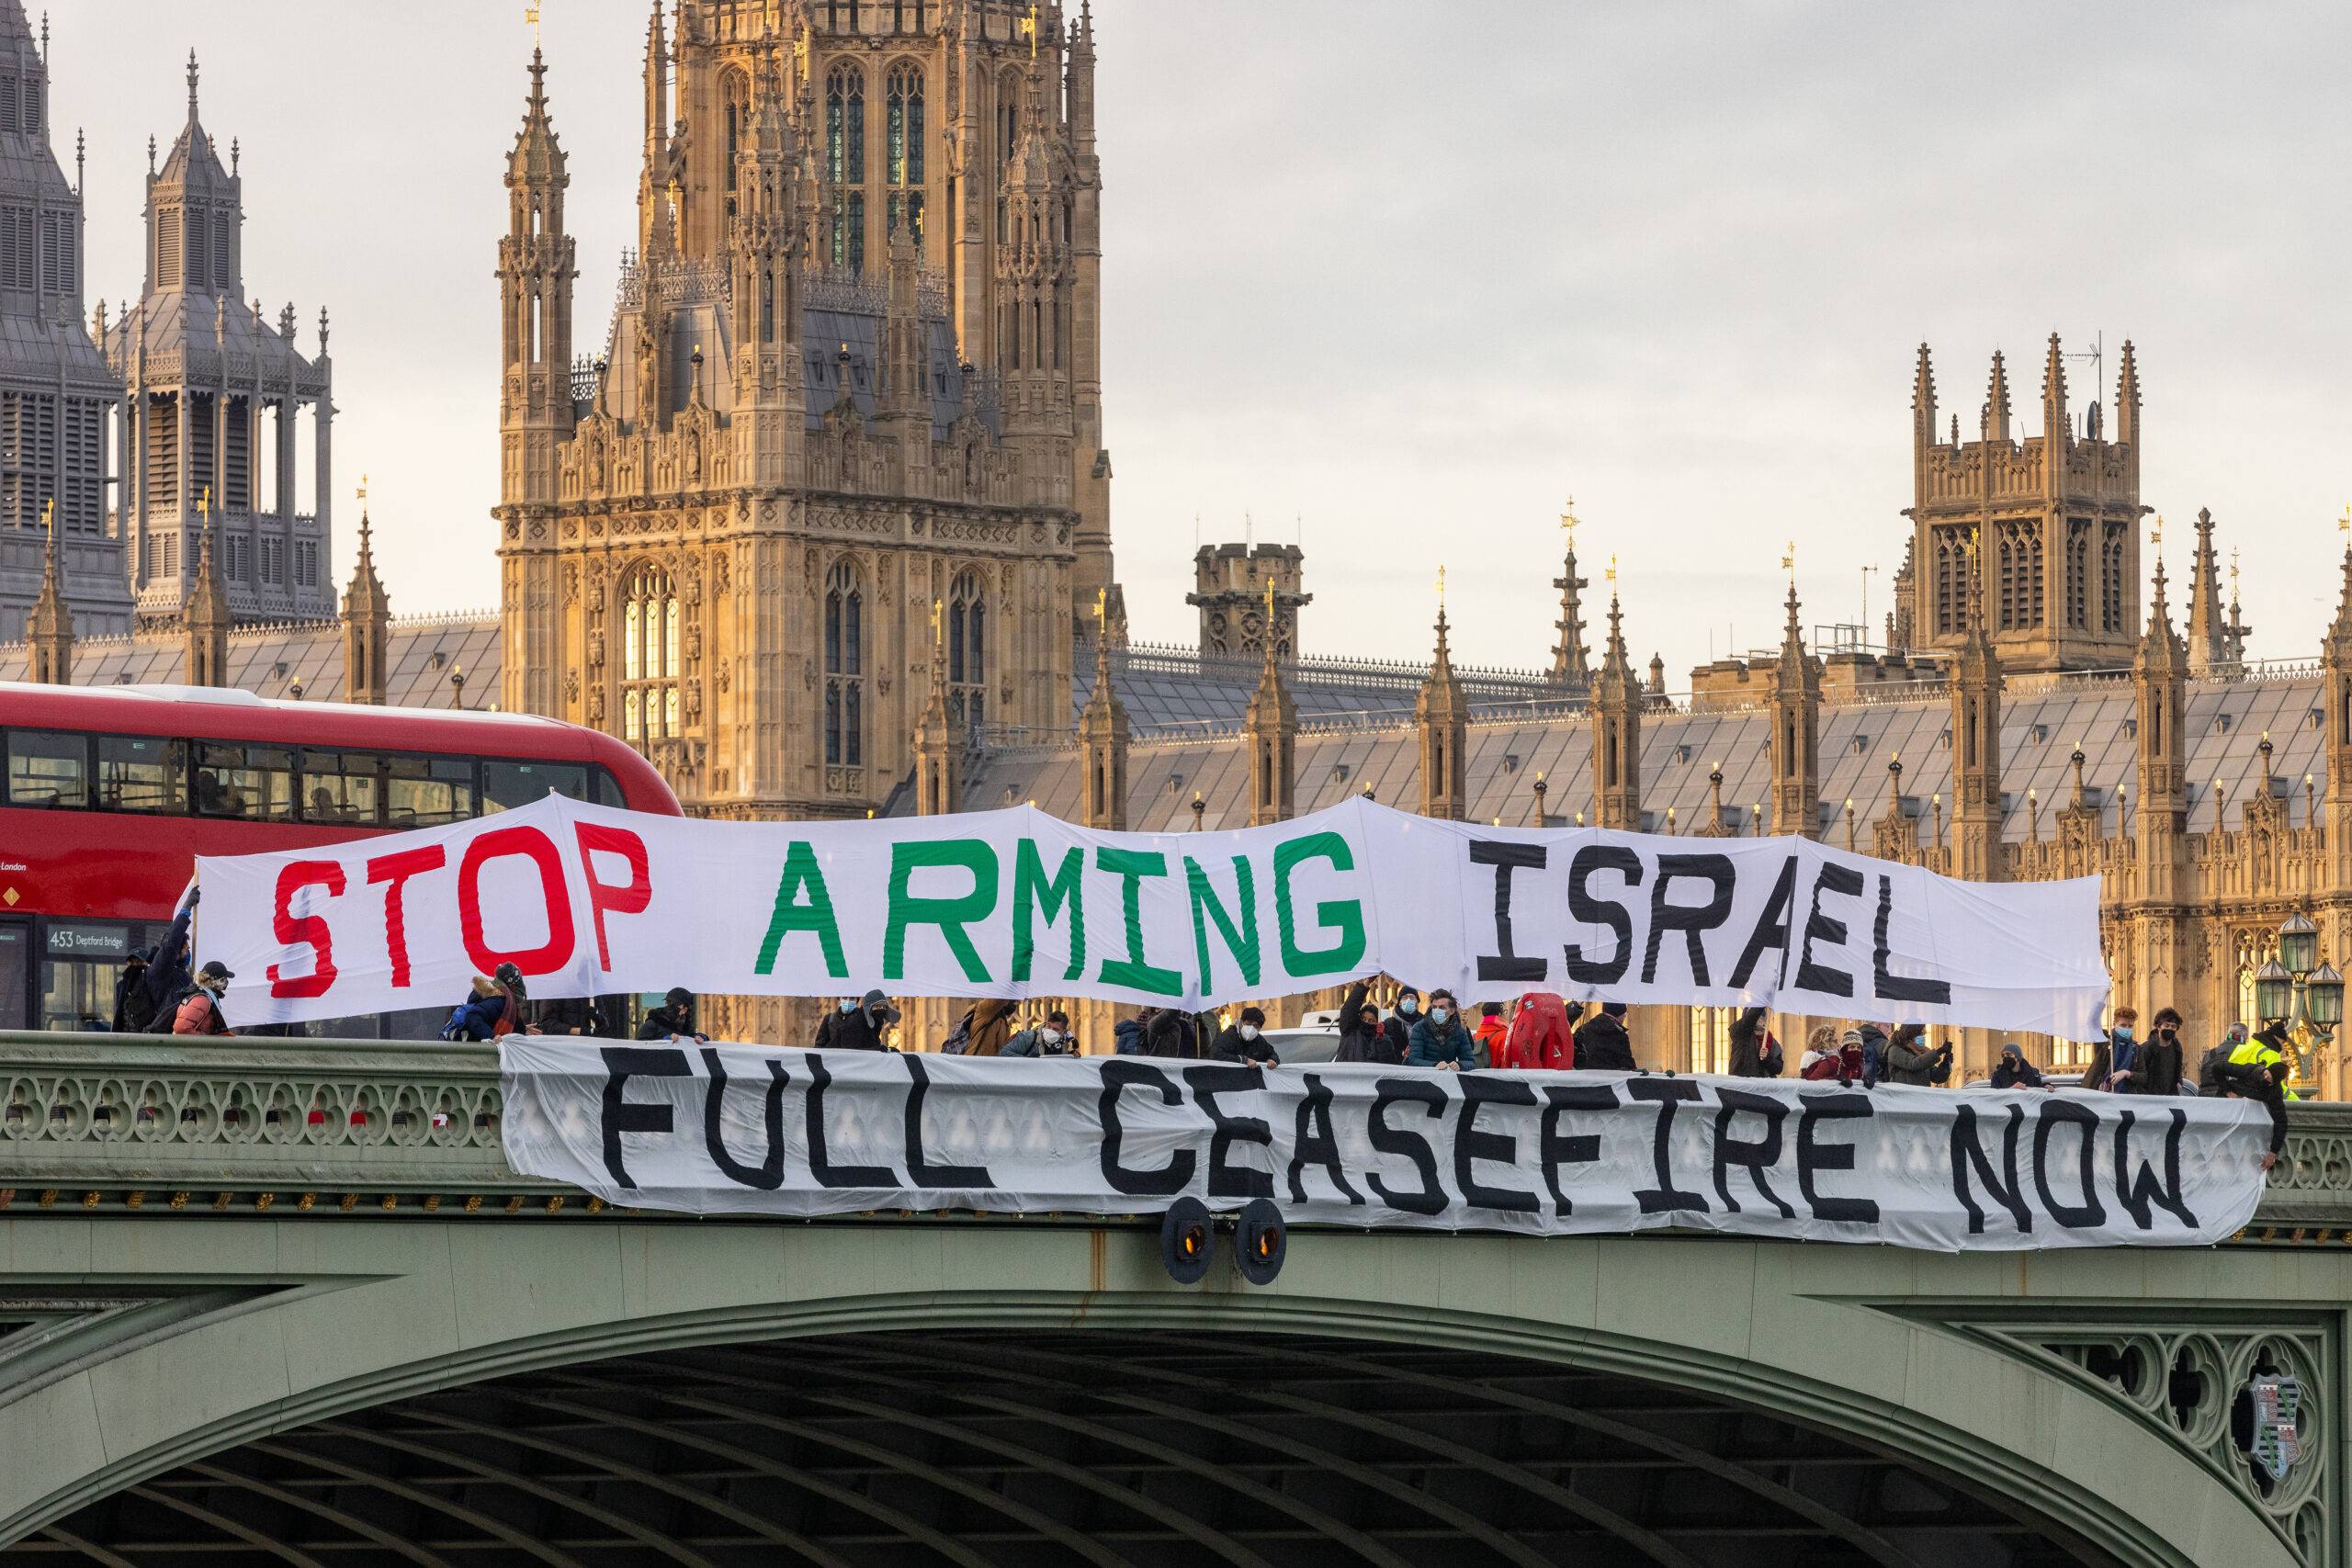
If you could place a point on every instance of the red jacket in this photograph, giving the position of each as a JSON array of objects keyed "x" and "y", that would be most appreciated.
[
  {"x": 197, "y": 1015},
  {"x": 1490, "y": 1033},
  {"x": 1539, "y": 1036}
]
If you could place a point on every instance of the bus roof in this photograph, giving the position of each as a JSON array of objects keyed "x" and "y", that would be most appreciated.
[{"x": 236, "y": 696}]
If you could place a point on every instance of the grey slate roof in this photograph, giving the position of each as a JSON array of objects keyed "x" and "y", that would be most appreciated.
[
  {"x": 267, "y": 660},
  {"x": 1175, "y": 690},
  {"x": 2225, "y": 723}
]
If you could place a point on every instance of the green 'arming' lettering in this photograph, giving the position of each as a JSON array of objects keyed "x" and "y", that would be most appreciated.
[
  {"x": 1344, "y": 916},
  {"x": 792, "y": 915},
  {"x": 951, "y": 915},
  {"x": 1134, "y": 865},
  {"x": 1206, "y": 907},
  {"x": 1034, "y": 894}
]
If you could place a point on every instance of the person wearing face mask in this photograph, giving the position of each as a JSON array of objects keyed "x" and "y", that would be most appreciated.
[
  {"x": 1051, "y": 1038},
  {"x": 823, "y": 1038},
  {"x": 1438, "y": 1039},
  {"x": 1400, "y": 1024},
  {"x": 200, "y": 1013},
  {"x": 1364, "y": 1036},
  {"x": 1244, "y": 1040},
  {"x": 673, "y": 1021},
  {"x": 865, "y": 1028},
  {"x": 2111, "y": 1057},
  {"x": 2157, "y": 1063}
]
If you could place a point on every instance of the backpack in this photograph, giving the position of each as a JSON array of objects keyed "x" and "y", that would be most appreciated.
[
  {"x": 959, "y": 1042},
  {"x": 139, "y": 1008},
  {"x": 453, "y": 1026},
  {"x": 1539, "y": 1035},
  {"x": 1873, "y": 1058}
]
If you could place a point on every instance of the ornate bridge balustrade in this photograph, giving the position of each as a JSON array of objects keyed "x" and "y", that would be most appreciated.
[{"x": 206, "y": 1244}]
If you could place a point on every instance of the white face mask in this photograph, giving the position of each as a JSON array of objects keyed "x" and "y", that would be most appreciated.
[
  {"x": 849, "y": 1004},
  {"x": 1439, "y": 1015},
  {"x": 1050, "y": 1035},
  {"x": 1248, "y": 1031},
  {"x": 1409, "y": 1007}
]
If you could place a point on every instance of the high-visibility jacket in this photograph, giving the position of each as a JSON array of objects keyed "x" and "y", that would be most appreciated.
[{"x": 2256, "y": 1054}]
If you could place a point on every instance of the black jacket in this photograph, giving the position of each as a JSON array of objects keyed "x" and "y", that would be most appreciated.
[
  {"x": 566, "y": 1015},
  {"x": 1173, "y": 1033},
  {"x": 2156, "y": 1066},
  {"x": 858, "y": 1030},
  {"x": 1231, "y": 1047},
  {"x": 661, "y": 1023},
  {"x": 1603, "y": 1044},
  {"x": 1747, "y": 1038},
  {"x": 1358, "y": 1044}
]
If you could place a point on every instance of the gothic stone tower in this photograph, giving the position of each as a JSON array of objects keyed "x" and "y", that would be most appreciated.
[
  {"x": 851, "y": 370},
  {"x": 2057, "y": 515},
  {"x": 215, "y": 391},
  {"x": 56, "y": 393}
]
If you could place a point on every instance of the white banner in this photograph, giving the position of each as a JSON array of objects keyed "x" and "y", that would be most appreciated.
[
  {"x": 731, "y": 1129},
  {"x": 588, "y": 900}
]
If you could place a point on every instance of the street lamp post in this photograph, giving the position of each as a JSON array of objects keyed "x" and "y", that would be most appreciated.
[{"x": 2297, "y": 988}]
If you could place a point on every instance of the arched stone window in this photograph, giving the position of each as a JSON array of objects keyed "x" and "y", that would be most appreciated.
[
  {"x": 649, "y": 656},
  {"x": 736, "y": 89},
  {"x": 845, "y": 163},
  {"x": 903, "y": 153},
  {"x": 845, "y": 668},
  {"x": 968, "y": 669}
]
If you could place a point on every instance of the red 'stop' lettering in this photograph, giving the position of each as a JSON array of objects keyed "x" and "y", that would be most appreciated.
[
  {"x": 626, "y": 898},
  {"x": 309, "y": 929}
]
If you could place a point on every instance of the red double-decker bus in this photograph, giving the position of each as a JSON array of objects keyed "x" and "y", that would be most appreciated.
[{"x": 109, "y": 793}]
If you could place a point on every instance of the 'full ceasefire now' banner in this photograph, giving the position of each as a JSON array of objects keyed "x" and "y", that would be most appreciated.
[
  {"x": 588, "y": 899},
  {"x": 713, "y": 1129}
]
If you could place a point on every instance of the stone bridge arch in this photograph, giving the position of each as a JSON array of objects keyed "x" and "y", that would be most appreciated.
[{"x": 147, "y": 1340}]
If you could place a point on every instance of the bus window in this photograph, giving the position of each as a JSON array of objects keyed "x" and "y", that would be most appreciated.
[
  {"x": 608, "y": 788},
  {"x": 255, "y": 782},
  {"x": 16, "y": 973},
  {"x": 506, "y": 784},
  {"x": 142, "y": 772},
  {"x": 343, "y": 787},
  {"x": 428, "y": 791},
  {"x": 49, "y": 768}
]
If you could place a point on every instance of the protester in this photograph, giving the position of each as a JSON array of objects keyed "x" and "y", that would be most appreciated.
[
  {"x": 165, "y": 980},
  {"x": 1175, "y": 1033},
  {"x": 1362, "y": 1036},
  {"x": 1244, "y": 1040},
  {"x": 1872, "y": 1055},
  {"x": 2209, "y": 1067},
  {"x": 495, "y": 1008},
  {"x": 2258, "y": 1069},
  {"x": 865, "y": 1028},
  {"x": 1126, "y": 1035},
  {"x": 1822, "y": 1060},
  {"x": 567, "y": 1015},
  {"x": 822, "y": 1039},
  {"x": 1438, "y": 1039},
  {"x": 1755, "y": 1054},
  {"x": 1491, "y": 1035},
  {"x": 2156, "y": 1065},
  {"x": 1910, "y": 1060},
  {"x": 673, "y": 1021},
  {"x": 2013, "y": 1071},
  {"x": 132, "y": 1010},
  {"x": 1400, "y": 1024},
  {"x": 992, "y": 1021},
  {"x": 1539, "y": 1039},
  {"x": 2111, "y": 1053},
  {"x": 1051, "y": 1038},
  {"x": 200, "y": 1013},
  {"x": 1603, "y": 1043}
]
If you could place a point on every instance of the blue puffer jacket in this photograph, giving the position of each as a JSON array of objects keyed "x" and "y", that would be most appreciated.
[
  {"x": 478, "y": 1018},
  {"x": 1434, "y": 1044},
  {"x": 1127, "y": 1037}
]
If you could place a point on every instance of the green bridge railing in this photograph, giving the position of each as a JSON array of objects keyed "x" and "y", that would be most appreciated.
[{"x": 115, "y": 1123}]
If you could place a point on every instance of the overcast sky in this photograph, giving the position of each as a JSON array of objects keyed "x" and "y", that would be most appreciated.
[{"x": 1404, "y": 276}]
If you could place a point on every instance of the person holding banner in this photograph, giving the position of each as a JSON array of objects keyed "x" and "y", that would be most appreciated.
[
  {"x": 673, "y": 1021},
  {"x": 1438, "y": 1039},
  {"x": 1603, "y": 1044},
  {"x": 864, "y": 1029},
  {"x": 1244, "y": 1040}
]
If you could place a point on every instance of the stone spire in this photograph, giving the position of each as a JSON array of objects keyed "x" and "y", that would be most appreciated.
[
  {"x": 1271, "y": 726},
  {"x": 205, "y": 621},
  {"x": 2335, "y": 667},
  {"x": 1796, "y": 732},
  {"x": 1976, "y": 739},
  {"x": 2160, "y": 687},
  {"x": 1996, "y": 401},
  {"x": 1617, "y": 729},
  {"x": 49, "y": 630},
  {"x": 2234, "y": 635},
  {"x": 1103, "y": 738},
  {"x": 366, "y": 623},
  {"x": 1571, "y": 662},
  {"x": 2208, "y": 629},
  {"x": 1923, "y": 402},
  {"x": 654, "y": 224},
  {"x": 1441, "y": 713},
  {"x": 2127, "y": 406},
  {"x": 937, "y": 787},
  {"x": 2056, "y": 432}
]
